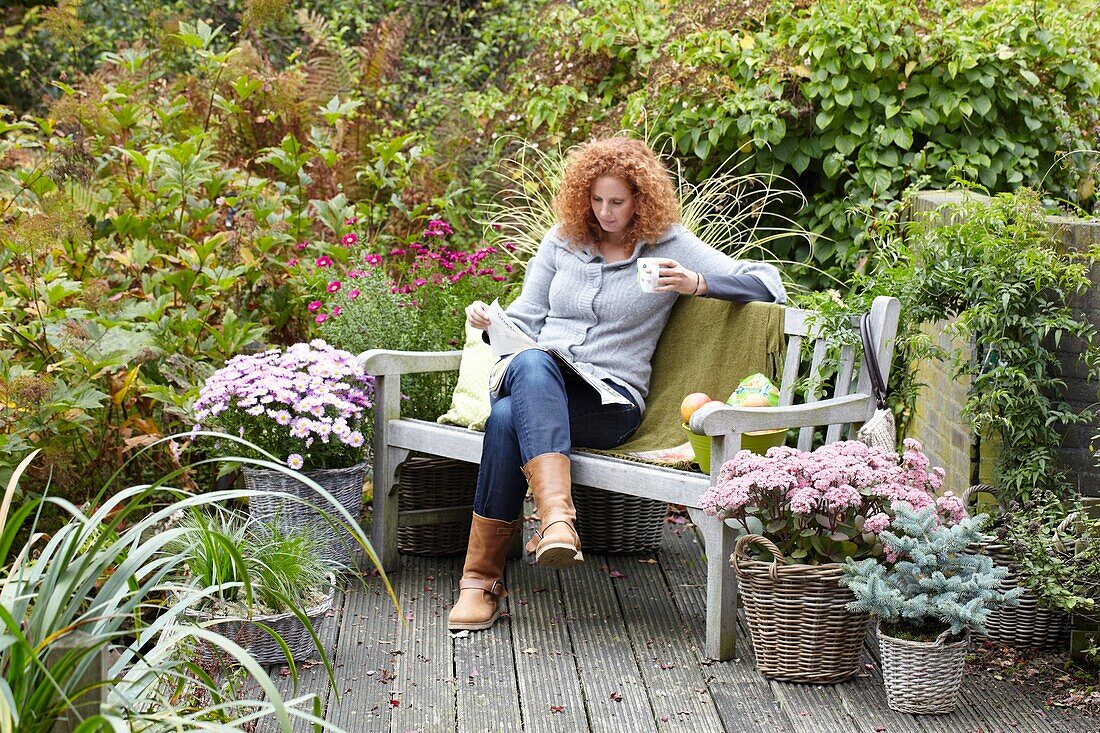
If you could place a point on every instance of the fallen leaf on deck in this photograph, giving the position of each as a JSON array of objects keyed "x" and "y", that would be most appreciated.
[
  {"x": 616, "y": 697},
  {"x": 557, "y": 708},
  {"x": 530, "y": 650}
]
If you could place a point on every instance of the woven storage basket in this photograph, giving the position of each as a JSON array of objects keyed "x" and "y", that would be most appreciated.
[
  {"x": 1026, "y": 624},
  {"x": 922, "y": 677},
  {"x": 610, "y": 523},
  {"x": 345, "y": 485},
  {"x": 800, "y": 628},
  {"x": 427, "y": 482},
  {"x": 259, "y": 643}
]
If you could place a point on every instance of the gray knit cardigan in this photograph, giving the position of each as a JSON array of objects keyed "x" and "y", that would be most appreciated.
[{"x": 595, "y": 312}]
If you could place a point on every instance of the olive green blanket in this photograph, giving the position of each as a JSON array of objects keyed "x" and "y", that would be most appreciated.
[{"x": 707, "y": 346}]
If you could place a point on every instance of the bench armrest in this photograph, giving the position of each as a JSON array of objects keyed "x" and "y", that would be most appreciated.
[
  {"x": 380, "y": 362},
  {"x": 723, "y": 420}
]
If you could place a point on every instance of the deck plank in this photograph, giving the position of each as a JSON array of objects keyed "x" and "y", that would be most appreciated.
[
  {"x": 486, "y": 687},
  {"x": 371, "y": 630},
  {"x": 312, "y": 676},
  {"x": 743, "y": 698},
  {"x": 577, "y": 636},
  {"x": 615, "y": 696},
  {"x": 670, "y": 667},
  {"x": 425, "y": 683},
  {"x": 1000, "y": 706},
  {"x": 551, "y": 699}
]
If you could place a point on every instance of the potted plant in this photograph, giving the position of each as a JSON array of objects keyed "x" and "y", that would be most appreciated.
[
  {"x": 265, "y": 587},
  {"x": 1058, "y": 545},
  {"x": 927, "y": 594},
  {"x": 305, "y": 407},
  {"x": 77, "y": 600},
  {"x": 813, "y": 511}
]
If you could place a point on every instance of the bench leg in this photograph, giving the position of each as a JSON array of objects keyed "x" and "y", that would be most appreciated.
[
  {"x": 383, "y": 534},
  {"x": 721, "y": 640}
]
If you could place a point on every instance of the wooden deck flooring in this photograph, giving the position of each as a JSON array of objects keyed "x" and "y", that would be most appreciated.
[{"x": 611, "y": 647}]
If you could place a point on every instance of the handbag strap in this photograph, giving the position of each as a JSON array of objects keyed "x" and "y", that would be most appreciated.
[{"x": 870, "y": 356}]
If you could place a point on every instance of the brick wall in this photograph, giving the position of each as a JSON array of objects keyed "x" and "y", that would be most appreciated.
[{"x": 938, "y": 422}]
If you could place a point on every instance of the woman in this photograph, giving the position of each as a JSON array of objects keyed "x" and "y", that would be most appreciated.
[{"x": 581, "y": 296}]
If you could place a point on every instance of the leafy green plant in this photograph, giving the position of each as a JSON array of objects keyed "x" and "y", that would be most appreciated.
[
  {"x": 993, "y": 272},
  {"x": 928, "y": 582},
  {"x": 1057, "y": 546},
  {"x": 857, "y": 104},
  {"x": 101, "y": 581}
]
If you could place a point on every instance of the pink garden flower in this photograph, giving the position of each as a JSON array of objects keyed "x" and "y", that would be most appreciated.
[
  {"x": 301, "y": 245},
  {"x": 831, "y": 503},
  {"x": 334, "y": 286},
  {"x": 314, "y": 306},
  {"x": 353, "y": 294},
  {"x": 349, "y": 239},
  {"x": 323, "y": 261},
  {"x": 320, "y": 318},
  {"x": 337, "y": 311},
  {"x": 373, "y": 259}
]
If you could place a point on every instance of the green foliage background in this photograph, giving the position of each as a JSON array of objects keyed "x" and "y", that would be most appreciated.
[{"x": 162, "y": 163}]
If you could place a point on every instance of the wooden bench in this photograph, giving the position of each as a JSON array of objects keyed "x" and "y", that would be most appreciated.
[{"x": 395, "y": 437}]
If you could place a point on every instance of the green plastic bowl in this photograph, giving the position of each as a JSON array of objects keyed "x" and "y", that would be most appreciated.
[{"x": 757, "y": 442}]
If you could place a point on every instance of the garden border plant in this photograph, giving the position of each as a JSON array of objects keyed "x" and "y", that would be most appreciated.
[{"x": 100, "y": 573}]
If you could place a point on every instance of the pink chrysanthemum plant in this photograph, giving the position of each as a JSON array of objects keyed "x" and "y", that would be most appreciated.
[
  {"x": 307, "y": 405},
  {"x": 830, "y": 504}
]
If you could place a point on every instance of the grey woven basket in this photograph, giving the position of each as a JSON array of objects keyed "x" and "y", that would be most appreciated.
[
  {"x": 427, "y": 482},
  {"x": 345, "y": 485},
  {"x": 259, "y": 643},
  {"x": 922, "y": 677},
  {"x": 800, "y": 627},
  {"x": 611, "y": 523},
  {"x": 1027, "y": 624}
]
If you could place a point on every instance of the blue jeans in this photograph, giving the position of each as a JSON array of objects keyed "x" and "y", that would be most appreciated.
[{"x": 542, "y": 408}]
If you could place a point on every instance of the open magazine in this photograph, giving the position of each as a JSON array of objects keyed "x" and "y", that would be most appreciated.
[{"x": 507, "y": 339}]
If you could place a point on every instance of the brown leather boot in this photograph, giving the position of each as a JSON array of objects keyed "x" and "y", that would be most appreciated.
[
  {"x": 481, "y": 586},
  {"x": 556, "y": 543}
]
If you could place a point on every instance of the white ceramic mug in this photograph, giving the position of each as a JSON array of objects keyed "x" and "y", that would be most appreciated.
[{"x": 649, "y": 269}]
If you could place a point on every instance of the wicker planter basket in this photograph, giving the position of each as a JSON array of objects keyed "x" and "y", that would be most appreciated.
[
  {"x": 1026, "y": 624},
  {"x": 922, "y": 677},
  {"x": 259, "y": 643},
  {"x": 435, "y": 483},
  {"x": 800, "y": 628},
  {"x": 345, "y": 485},
  {"x": 612, "y": 523}
]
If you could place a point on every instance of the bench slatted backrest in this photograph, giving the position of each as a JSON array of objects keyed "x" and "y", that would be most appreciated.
[{"x": 802, "y": 332}]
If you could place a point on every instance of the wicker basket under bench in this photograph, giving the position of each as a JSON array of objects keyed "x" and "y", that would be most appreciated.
[{"x": 396, "y": 437}]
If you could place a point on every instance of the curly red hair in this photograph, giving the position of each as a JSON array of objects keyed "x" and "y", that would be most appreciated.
[{"x": 631, "y": 161}]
